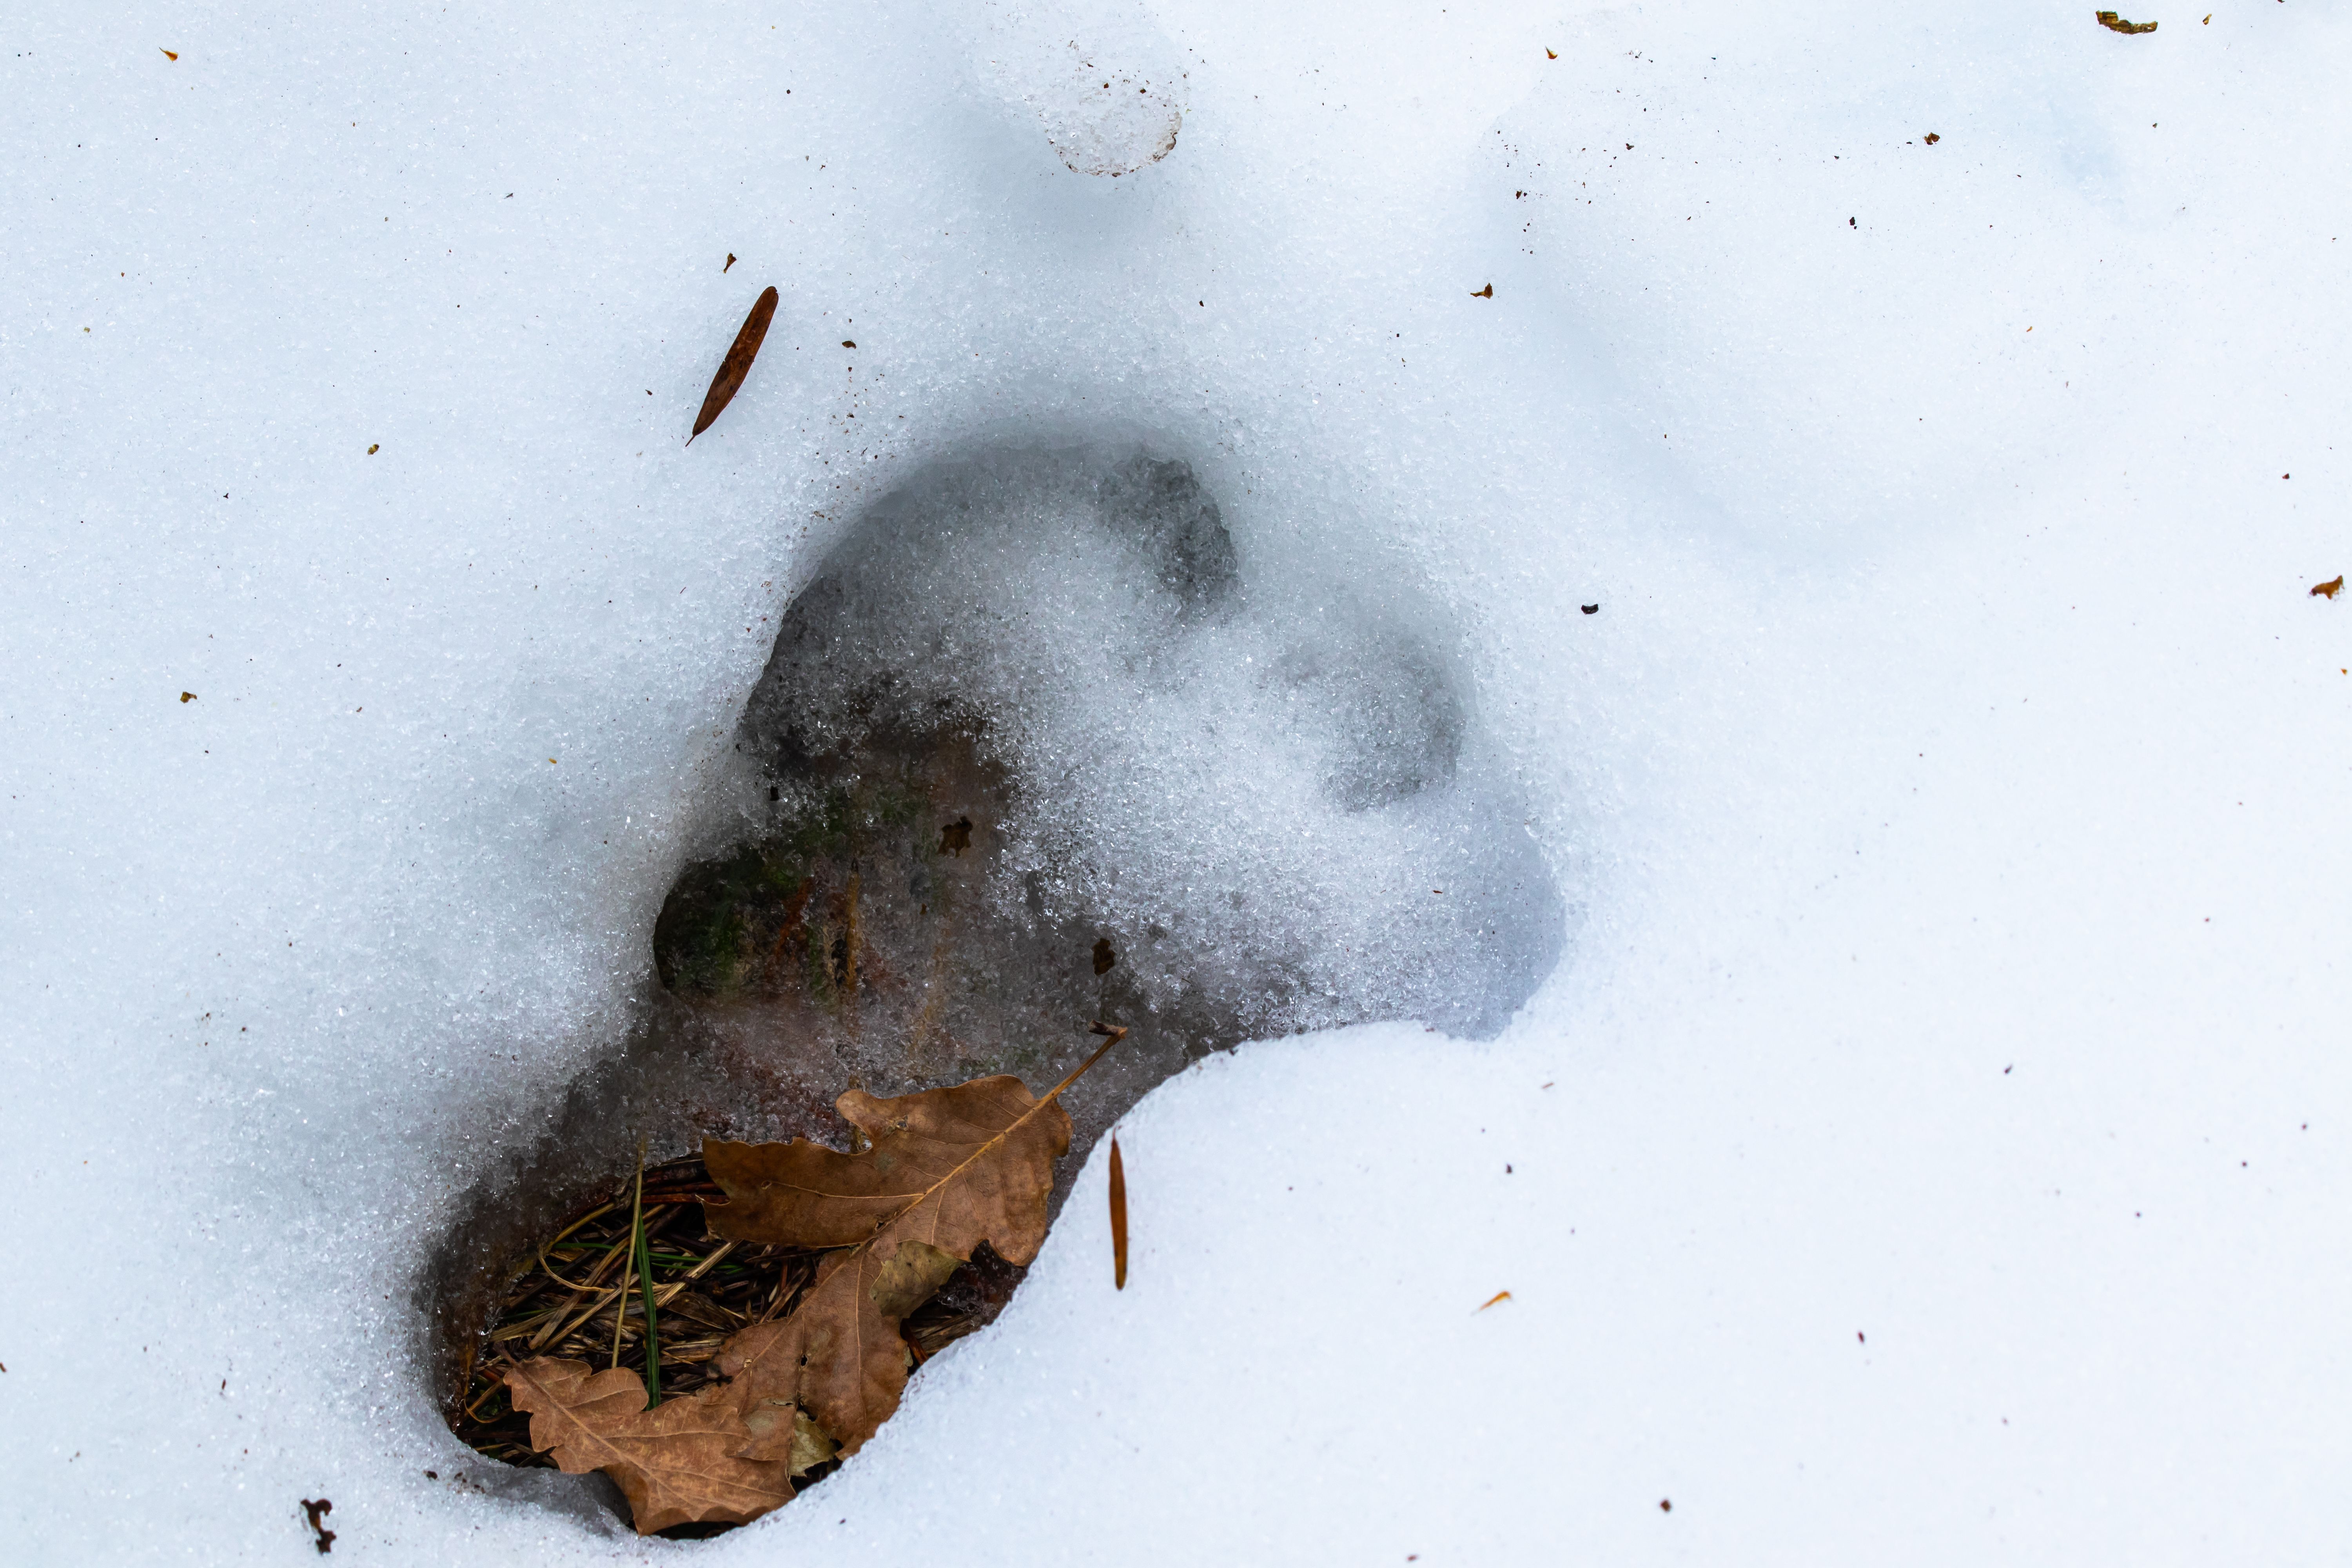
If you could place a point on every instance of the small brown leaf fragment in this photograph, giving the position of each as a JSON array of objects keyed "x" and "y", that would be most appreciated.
[
  {"x": 191, "y": 697},
  {"x": 1497, "y": 1296},
  {"x": 2328, "y": 589},
  {"x": 811, "y": 1446},
  {"x": 2114, "y": 24},
  {"x": 849, "y": 342},
  {"x": 1486, "y": 293},
  {"x": 1666, "y": 1505},
  {"x": 910, "y": 1277},
  {"x": 1105, "y": 955},
  {"x": 1118, "y": 1216},
  {"x": 173, "y": 54},
  {"x": 730, "y": 261},
  {"x": 314, "y": 1510},
  {"x": 956, "y": 836},
  {"x": 1933, "y": 139},
  {"x": 1551, "y": 54},
  {"x": 774, "y": 1428},
  {"x": 738, "y": 363},
  {"x": 374, "y": 446},
  {"x": 678, "y": 1463}
]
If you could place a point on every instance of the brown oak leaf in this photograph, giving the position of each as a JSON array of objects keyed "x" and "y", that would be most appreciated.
[
  {"x": 678, "y": 1463},
  {"x": 947, "y": 1170},
  {"x": 2328, "y": 589}
]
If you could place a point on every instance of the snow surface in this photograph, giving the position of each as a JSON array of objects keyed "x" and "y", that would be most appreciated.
[{"x": 1931, "y": 1143}]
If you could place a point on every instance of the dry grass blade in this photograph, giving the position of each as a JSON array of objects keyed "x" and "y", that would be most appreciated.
[
  {"x": 711, "y": 1262},
  {"x": 636, "y": 1249},
  {"x": 646, "y": 1284},
  {"x": 738, "y": 363},
  {"x": 593, "y": 1281}
]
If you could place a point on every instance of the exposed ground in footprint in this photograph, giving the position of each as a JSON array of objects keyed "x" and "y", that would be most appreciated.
[{"x": 1035, "y": 748}]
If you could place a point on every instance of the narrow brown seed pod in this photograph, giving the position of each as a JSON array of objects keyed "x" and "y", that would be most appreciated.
[
  {"x": 1118, "y": 1216},
  {"x": 738, "y": 363}
]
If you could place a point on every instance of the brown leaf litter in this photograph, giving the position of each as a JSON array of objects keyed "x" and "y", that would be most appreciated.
[
  {"x": 945, "y": 1169},
  {"x": 783, "y": 1336},
  {"x": 677, "y": 1463}
]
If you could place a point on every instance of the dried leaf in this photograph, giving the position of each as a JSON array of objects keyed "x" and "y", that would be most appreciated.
[
  {"x": 956, "y": 836},
  {"x": 944, "y": 1170},
  {"x": 730, "y": 261},
  {"x": 2328, "y": 589},
  {"x": 775, "y": 1425},
  {"x": 1491, "y": 1300},
  {"x": 173, "y": 54},
  {"x": 314, "y": 1508},
  {"x": 1486, "y": 293},
  {"x": 1105, "y": 955},
  {"x": 1933, "y": 139},
  {"x": 191, "y": 697},
  {"x": 1590, "y": 609},
  {"x": 373, "y": 446},
  {"x": 1118, "y": 1217},
  {"x": 677, "y": 1463},
  {"x": 811, "y": 1446},
  {"x": 1551, "y": 54},
  {"x": 738, "y": 363},
  {"x": 2114, "y": 24},
  {"x": 910, "y": 1277}
]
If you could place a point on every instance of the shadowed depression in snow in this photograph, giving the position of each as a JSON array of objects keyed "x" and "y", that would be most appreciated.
[{"x": 1033, "y": 749}]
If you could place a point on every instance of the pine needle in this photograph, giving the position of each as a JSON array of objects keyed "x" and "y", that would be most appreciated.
[
  {"x": 636, "y": 1245},
  {"x": 646, "y": 1284},
  {"x": 1117, "y": 1215}
]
